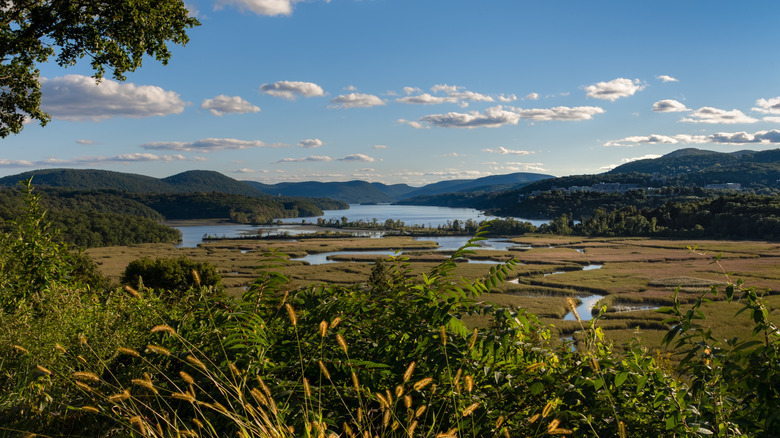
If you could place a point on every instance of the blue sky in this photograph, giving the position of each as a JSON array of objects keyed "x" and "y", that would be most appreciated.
[{"x": 418, "y": 91}]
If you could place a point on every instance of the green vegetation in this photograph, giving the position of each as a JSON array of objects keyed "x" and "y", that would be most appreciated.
[
  {"x": 32, "y": 32},
  {"x": 393, "y": 355},
  {"x": 171, "y": 278}
]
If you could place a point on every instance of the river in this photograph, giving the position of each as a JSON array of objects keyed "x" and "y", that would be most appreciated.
[{"x": 192, "y": 234}]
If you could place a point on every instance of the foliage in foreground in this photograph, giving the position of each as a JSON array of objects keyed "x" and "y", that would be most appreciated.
[{"x": 389, "y": 357}]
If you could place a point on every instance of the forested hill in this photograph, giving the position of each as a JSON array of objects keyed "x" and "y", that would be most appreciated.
[
  {"x": 688, "y": 160},
  {"x": 356, "y": 192},
  {"x": 89, "y": 179}
]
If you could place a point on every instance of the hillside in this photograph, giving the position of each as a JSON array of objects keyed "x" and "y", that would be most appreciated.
[
  {"x": 88, "y": 179},
  {"x": 356, "y": 192},
  {"x": 209, "y": 181},
  {"x": 353, "y": 192}
]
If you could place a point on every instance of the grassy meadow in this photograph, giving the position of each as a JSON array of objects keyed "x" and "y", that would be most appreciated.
[{"x": 633, "y": 272}]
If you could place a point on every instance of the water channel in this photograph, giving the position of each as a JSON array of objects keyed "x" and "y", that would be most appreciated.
[{"x": 193, "y": 234}]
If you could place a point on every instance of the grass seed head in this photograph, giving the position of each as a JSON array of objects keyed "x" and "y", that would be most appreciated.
[
  {"x": 291, "y": 314},
  {"x": 469, "y": 410},
  {"x": 573, "y": 307},
  {"x": 342, "y": 343},
  {"x": 355, "y": 381},
  {"x": 158, "y": 350},
  {"x": 423, "y": 383},
  {"x": 323, "y": 328},
  {"x": 469, "y": 383},
  {"x": 183, "y": 396},
  {"x": 409, "y": 371},
  {"x": 132, "y": 292},
  {"x": 44, "y": 370},
  {"x": 118, "y": 397},
  {"x": 186, "y": 377},
  {"x": 195, "y": 361},
  {"x": 164, "y": 328},
  {"x": 324, "y": 369},
  {"x": 547, "y": 409},
  {"x": 60, "y": 348},
  {"x": 86, "y": 375},
  {"x": 21, "y": 349},
  {"x": 90, "y": 409},
  {"x": 128, "y": 351},
  {"x": 335, "y": 322}
]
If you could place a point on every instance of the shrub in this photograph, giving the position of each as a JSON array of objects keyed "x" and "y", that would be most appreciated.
[{"x": 174, "y": 276}]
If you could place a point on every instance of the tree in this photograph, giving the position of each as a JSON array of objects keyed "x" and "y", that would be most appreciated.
[{"x": 114, "y": 34}]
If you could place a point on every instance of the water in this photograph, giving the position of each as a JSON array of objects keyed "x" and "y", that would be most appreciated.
[
  {"x": 424, "y": 215},
  {"x": 192, "y": 235}
]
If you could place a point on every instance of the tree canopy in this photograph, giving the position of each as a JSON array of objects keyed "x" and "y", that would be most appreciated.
[{"x": 114, "y": 34}]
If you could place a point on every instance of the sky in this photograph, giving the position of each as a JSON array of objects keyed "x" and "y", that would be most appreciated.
[{"x": 419, "y": 91}]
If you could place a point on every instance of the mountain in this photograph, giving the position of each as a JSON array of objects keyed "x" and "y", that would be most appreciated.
[
  {"x": 688, "y": 160},
  {"x": 87, "y": 179},
  {"x": 353, "y": 192},
  {"x": 493, "y": 183},
  {"x": 210, "y": 181},
  {"x": 356, "y": 192}
]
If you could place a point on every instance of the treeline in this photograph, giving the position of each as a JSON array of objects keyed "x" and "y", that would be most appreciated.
[
  {"x": 93, "y": 218},
  {"x": 738, "y": 216},
  {"x": 239, "y": 208}
]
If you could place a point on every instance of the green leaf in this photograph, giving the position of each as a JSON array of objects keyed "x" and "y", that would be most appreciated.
[
  {"x": 537, "y": 388},
  {"x": 620, "y": 378}
]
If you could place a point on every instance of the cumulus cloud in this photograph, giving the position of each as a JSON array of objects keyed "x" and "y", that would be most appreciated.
[
  {"x": 732, "y": 138},
  {"x": 768, "y": 106},
  {"x": 499, "y": 116},
  {"x": 210, "y": 145},
  {"x": 426, "y": 99},
  {"x": 452, "y": 94},
  {"x": 491, "y": 118},
  {"x": 310, "y": 143},
  {"x": 223, "y": 104},
  {"x": 614, "y": 89},
  {"x": 291, "y": 90},
  {"x": 243, "y": 170},
  {"x": 714, "y": 115},
  {"x": 358, "y": 157},
  {"x": 669, "y": 106},
  {"x": 532, "y": 96},
  {"x": 560, "y": 113},
  {"x": 356, "y": 100},
  {"x": 444, "y": 88},
  {"x": 666, "y": 78},
  {"x": 504, "y": 151},
  {"x": 380, "y": 146},
  {"x": 93, "y": 161},
  {"x": 260, "y": 7},
  {"x": 85, "y": 141},
  {"x": 310, "y": 158},
  {"x": 79, "y": 98}
]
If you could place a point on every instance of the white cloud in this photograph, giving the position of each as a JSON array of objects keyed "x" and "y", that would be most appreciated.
[
  {"x": 356, "y": 100},
  {"x": 560, "y": 113},
  {"x": 427, "y": 99},
  {"x": 714, "y": 115},
  {"x": 498, "y": 116},
  {"x": 380, "y": 146},
  {"x": 85, "y": 141},
  {"x": 532, "y": 96},
  {"x": 768, "y": 106},
  {"x": 491, "y": 118},
  {"x": 223, "y": 104},
  {"x": 310, "y": 158},
  {"x": 669, "y": 106},
  {"x": 629, "y": 160},
  {"x": 79, "y": 98},
  {"x": 358, "y": 157},
  {"x": 93, "y": 161},
  {"x": 291, "y": 90},
  {"x": 666, "y": 78},
  {"x": 310, "y": 143},
  {"x": 506, "y": 98},
  {"x": 413, "y": 124},
  {"x": 733, "y": 138},
  {"x": 411, "y": 90},
  {"x": 243, "y": 170},
  {"x": 504, "y": 151},
  {"x": 210, "y": 145},
  {"x": 260, "y": 7},
  {"x": 445, "y": 88},
  {"x": 614, "y": 89}
]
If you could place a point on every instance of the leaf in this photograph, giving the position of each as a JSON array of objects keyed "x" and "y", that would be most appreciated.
[
  {"x": 537, "y": 388},
  {"x": 620, "y": 378}
]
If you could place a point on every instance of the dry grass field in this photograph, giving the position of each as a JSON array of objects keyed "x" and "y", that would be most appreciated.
[{"x": 626, "y": 271}]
